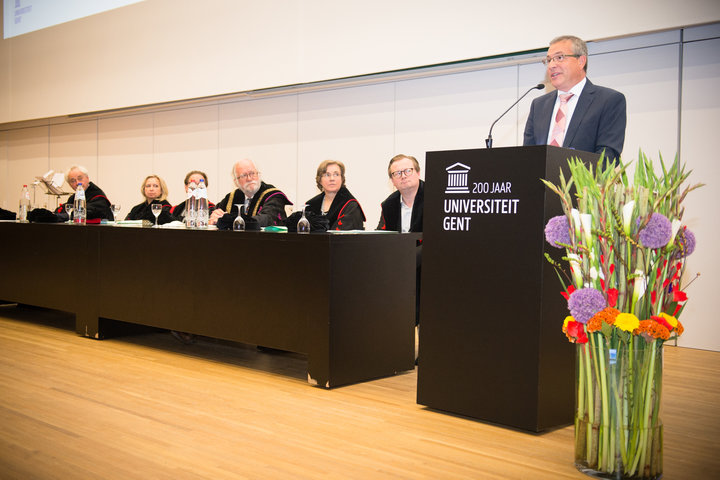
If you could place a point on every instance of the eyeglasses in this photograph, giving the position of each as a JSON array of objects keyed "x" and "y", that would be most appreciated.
[
  {"x": 331, "y": 175},
  {"x": 559, "y": 58},
  {"x": 248, "y": 175},
  {"x": 80, "y": 178},
  {"x": 402, "y": 173}
]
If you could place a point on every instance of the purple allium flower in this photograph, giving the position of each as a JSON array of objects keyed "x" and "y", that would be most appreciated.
[
  {"x": 557, "y": 231},
  {"x": 657, "y": 232},
  {"x": 585, "y": 302},
  {"x": 686, "y": 240}
]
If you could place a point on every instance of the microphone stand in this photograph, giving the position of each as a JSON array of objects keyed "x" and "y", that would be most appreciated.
[{"x": 488, "y": 140}]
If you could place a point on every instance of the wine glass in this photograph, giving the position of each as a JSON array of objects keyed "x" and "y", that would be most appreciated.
[
  {"x": 239, "y": 223},
  {"x": 303, "y": 225},
  {"x": 115, "y": 208},
  {"x": 69, "y": 209},
  {"x": 156, "y": 209}
]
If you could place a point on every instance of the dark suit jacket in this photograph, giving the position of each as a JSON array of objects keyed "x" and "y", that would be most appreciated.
[
  {"x": 390, "y": 215},
  {"x": 598, "y": 122}
]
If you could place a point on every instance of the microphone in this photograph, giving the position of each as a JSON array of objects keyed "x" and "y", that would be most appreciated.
[{"x": 488, "y": 140}]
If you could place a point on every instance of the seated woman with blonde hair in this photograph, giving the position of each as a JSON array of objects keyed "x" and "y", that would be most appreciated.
[
  {"x": 336, "y": 202},
  {"x": 155, "y": 191}
]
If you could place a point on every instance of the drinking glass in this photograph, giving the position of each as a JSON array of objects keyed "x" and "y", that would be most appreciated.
[
  {"x": 156, "y": 209},
  {"x": 239, "y": 223},
  {"x": 115, "y": 208},
  {"x": 303, "y": 225},
  {"x": 69, "y": 209}
]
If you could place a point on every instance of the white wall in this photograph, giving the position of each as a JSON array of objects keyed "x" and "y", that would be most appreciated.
[
  {"x": 700, "y": 120},
  {"x": 365, "y": 126},
  {"x": 166, "y": 50}
]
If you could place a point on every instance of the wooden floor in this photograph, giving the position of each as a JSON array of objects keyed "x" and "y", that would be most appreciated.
[{"x": 147, "y": 407}]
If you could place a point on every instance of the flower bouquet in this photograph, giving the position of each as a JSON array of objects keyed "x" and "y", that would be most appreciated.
[{"x": 625, "y": 245}]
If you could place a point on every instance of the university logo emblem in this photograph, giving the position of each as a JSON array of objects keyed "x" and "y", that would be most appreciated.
[{"x": 457, "y": 180}]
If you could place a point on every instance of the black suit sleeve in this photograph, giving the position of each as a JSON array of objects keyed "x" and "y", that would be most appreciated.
[
  {"x": 611, "y": 132},
  {"x": 351, "y": 217},
  {"x": 273, "y": 210},
  {"x": 99, "y": 207},
  {"x": 529, "y": 135}
]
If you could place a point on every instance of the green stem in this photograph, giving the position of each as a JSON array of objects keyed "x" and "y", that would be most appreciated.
[
  {"x": 590, "y": 407},
  {"x": 581, "y": 416},
  {"x": 643, "y": 427},
  {"x": 620, "y": 415},
  {"x": 603, "y": 444}
]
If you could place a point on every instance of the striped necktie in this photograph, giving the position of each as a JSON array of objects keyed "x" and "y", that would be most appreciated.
[{"x": 558, "y": 132}]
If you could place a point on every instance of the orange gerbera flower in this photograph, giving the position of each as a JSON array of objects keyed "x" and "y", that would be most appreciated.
[
  {"x": 679, "y": 328},
  {"x": 594, "y": 324},
  {"x": 652, "y": 329},
  {"x": 606, "y": 315}
]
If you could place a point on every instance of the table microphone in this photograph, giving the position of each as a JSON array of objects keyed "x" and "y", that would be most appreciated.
[{"x": 488, "y": 140}]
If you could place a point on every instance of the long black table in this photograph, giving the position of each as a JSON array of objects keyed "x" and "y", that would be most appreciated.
[{"x": 345, "y": 300}]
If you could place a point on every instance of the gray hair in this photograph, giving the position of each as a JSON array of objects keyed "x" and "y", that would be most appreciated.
[{"x": 82, "y": 169}]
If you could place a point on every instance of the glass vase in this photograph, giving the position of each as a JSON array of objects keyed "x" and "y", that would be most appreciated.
[{"x": 618, "y": 430}]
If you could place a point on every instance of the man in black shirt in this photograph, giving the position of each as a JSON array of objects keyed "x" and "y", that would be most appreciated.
[{"x": 96, "y": 202}]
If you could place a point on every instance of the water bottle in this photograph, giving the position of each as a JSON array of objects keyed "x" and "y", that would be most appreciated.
[
  {"x": 80, "y": 213},
  {"x": 202, "y": 214},
  {"x": 24, "y": 204},
  {"x": 190, "y": 206}
]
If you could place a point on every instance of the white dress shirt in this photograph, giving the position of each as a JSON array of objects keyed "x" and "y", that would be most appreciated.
[{"x": 405, "y": 216}]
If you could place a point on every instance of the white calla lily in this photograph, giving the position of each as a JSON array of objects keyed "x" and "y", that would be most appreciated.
[
  {"x": 575, "y": 214},
  {"x": 627, "y": 211},
  {"x": 576, "y": 267},
  {"x": 640, "y": 284},
  {"x": 593, "y": 273},
  {"x": 586, "y": 222},
  {"x": 675, "y": 228}
]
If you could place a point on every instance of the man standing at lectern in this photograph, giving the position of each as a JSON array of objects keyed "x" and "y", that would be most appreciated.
[{"x": 579, "y": 114}]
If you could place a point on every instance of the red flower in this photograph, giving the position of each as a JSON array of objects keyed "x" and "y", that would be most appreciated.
[
  {"x": 677, "y": 273},
  {"x": 662, "y": 322},
  {"x": 612, "y": 268},
  {"x": 679, "y": 296},
  {"x": 653, "y": 297},
  {"x": 567, "y": 293},
  {"x": 612, "y": 296},
  {"x": 577, "y": 331}
]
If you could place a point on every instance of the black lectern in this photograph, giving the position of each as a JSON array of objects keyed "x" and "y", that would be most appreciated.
[{"x": 491, "y": 313}]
